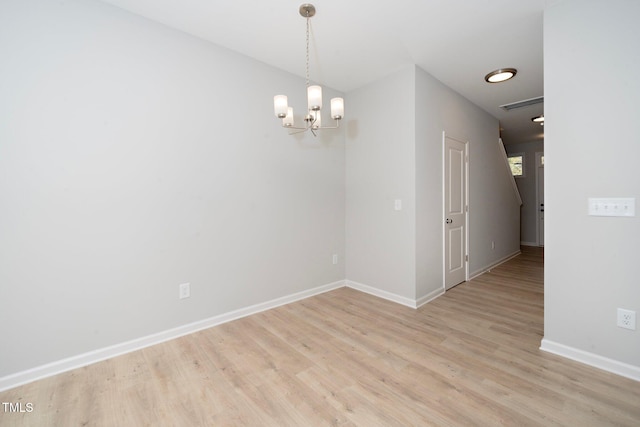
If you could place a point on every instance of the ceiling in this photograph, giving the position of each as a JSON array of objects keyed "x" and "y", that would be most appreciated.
[{"x": 355, "y": 42}]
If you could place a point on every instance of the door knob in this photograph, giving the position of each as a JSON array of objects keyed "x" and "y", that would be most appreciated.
[{"x": 449, "y": 221}]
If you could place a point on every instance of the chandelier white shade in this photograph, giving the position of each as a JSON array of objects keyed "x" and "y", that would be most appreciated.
[
  {"x": 280, "y": 104},
  {"x": 337, "y": 108},
  {"x": 313, "y": 118},
  {"x": 314, "y": 98}
]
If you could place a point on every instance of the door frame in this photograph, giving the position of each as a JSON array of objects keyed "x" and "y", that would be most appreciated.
[
  {"x": 539, "y": 165},
  {"x": 444, "y": 209}
]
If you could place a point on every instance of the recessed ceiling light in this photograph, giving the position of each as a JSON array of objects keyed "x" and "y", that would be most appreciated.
[
  {"x": 500, "y": 75},
  {"x": 538, "y": 119}
]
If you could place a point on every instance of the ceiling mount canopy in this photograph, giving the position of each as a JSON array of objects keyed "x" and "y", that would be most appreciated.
[
  {"x": 307, "y": 10},
  {"x": 313, "y": 118}
]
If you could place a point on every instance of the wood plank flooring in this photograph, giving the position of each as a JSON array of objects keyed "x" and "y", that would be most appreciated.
[{"x": 344, "y": 358}]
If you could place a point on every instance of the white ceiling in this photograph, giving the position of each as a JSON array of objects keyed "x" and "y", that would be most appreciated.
[{"x": 355, "y": 42}]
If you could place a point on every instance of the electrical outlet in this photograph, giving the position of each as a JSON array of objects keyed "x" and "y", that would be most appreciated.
[
  {"x": 493, "y": 244},
  {"x": 335, "y": 258},
  {"x": 627, "y": 319},
  {"x": 184, "y": 290}
]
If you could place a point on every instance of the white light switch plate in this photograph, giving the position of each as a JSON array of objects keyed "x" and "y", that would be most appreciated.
[{"x": 612, "y": 206}]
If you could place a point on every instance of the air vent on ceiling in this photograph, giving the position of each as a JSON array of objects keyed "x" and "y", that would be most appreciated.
[{"x": 524, "y": 103}]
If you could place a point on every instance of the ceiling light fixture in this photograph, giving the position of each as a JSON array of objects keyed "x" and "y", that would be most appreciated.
[
  {"x": 500, "y": 75},
  {"x": 313, "y": 120},
  {"x": 538, "y": 119}
]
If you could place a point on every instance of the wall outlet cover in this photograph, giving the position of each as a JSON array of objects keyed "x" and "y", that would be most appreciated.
[
  {"x": 184, "y": 290},
  {"x": 626, "y": 319}
]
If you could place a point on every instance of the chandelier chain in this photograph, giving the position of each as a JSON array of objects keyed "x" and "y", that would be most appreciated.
[{"x": 307, "y": 70}]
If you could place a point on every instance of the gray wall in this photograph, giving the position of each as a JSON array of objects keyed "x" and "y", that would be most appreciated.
[
  {"x": 590, "y": 262},
  {"x": 134, "y": 158},
  {"x": 380, "y": 156},
  {"x": 493, "y": 208},
  {"x": 395, "y": 152},
  {"x": 527, "y": 188}
]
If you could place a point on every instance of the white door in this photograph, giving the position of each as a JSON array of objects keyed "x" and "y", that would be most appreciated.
[
  {"x": 455, "y": 212},
  {"x": 540, "y": 196}
]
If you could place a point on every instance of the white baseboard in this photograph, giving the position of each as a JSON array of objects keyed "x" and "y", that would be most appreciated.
[
  {"x": 494, "y": 265},
  {"x": 528, "y": 244},
  {"x": 382, "y": 294},
  {"x": 88, "y": 358},
  {"x": 591, "y": 359},
  {"x": 429, "y": 297},
  {"x": 94, "y": 356}
]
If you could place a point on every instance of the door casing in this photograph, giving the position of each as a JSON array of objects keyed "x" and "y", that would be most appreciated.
[{"x": 539, "y": 199}]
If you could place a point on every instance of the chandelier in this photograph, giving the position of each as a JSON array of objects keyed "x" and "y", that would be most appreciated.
[{"x": 313, "y": 118}]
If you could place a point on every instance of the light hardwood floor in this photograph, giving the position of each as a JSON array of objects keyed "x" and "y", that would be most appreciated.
[{"x": 346, "y": 358}]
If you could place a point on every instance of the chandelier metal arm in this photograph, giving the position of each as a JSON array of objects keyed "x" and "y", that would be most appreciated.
[{"x": 311, "y": 128}]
